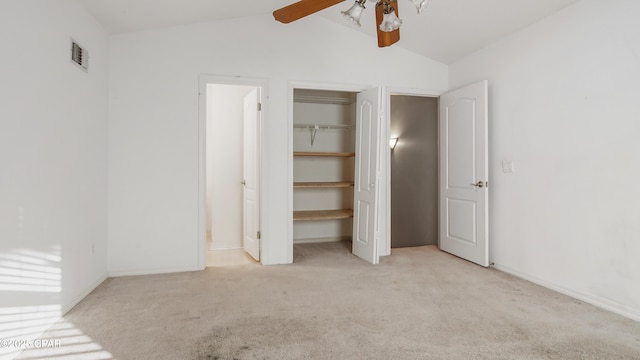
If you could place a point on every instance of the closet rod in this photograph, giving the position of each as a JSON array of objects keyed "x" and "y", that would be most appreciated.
[{"x": 324, "y": 127}]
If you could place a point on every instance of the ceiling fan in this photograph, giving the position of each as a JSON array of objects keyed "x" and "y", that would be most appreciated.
[{"x": 387, "y": 21}]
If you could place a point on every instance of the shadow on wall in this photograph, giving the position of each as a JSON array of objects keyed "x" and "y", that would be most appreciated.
[{"x": 30, "y": 288}]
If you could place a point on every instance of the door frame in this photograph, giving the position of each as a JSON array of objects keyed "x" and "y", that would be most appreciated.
[
  {"x": 203, "y": 81},
  {"x": 384, "y": 245},
  {"x": 291, "y": 86}
]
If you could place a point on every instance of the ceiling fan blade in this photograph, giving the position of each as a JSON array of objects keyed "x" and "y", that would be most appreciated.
[
  {"x": 386, "y": 38},
  {"x": 301, "y": 9}
]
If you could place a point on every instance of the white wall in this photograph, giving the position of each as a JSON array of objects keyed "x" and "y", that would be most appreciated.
[
  {"x": 53, "y": 156},
  {"x": 564, "y": 107},
  {"x": 225, "y": 145},
  {"x": 153, "y": 127}
]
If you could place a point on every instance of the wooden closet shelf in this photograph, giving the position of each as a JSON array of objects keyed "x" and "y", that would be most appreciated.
[
  {"x": 322, "y": 214},
  {"x": 325, "y": 154},
  {"x": 313, "y": 185}
]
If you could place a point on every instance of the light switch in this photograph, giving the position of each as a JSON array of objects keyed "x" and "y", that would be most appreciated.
[{"x": 507, "y": 166}]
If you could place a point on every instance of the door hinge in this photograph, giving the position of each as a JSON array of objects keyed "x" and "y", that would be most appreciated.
[
  {"x": 258, "y": 235},
  {"x": 259, "y": 106}
]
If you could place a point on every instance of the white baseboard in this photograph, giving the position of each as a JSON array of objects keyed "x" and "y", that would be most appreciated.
[
  {"x": 120, "y": 273},
  {"x": 84, "y": 294},
  {"x": 606, "y": 304},
  {"x": 321, "y": 240}
]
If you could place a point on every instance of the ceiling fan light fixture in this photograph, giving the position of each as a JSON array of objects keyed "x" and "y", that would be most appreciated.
[
  {"x": 390, "y": 21},
  {"x": 355, "y": 12}
]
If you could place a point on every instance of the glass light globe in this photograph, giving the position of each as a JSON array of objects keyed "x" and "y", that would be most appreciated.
[
  {"x": 420, "y": 5},
  {"x": 355, "y": 12},
  {"x": 390, "y": 22}
]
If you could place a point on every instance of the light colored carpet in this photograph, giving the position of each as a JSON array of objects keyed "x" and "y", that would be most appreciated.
[{"x": 419, "y": 303}]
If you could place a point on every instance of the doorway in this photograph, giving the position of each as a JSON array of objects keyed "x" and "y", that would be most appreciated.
[
  {"x": 463, "y": 199},
  {"x": 413, "y": 131},
  {"x": 232, "y": 173}
]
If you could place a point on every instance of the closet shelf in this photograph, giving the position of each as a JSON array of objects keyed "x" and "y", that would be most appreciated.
[
  {"x": 325, "y": 154},
  {"x": 322, "y": 214},
  {"x": 313, "y": 185}
]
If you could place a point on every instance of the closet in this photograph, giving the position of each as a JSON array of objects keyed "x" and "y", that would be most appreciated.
[{"x": 323, "y": 165}]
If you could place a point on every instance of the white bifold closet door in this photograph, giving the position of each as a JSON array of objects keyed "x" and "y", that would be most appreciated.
[{"x": 364, "y": 243}]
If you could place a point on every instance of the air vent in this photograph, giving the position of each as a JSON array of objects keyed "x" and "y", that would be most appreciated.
[{"x": 79, "y": 55}]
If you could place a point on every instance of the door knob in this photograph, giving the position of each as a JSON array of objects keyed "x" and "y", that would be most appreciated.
[
  {"x": 244, "y": 182},
  {"x": 479, "y": 184}
]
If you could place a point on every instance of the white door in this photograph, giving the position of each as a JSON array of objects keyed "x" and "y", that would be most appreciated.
[
  {"x": 366, "y": 178},
  {"x": 464, "y": 175},
  {"x": 251, "y": 158}
]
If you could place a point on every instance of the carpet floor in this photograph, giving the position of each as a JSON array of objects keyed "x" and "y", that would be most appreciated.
[{"x": 419, "y": 303}]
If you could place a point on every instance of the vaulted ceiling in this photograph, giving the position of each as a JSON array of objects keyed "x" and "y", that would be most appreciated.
[{"x": 446, "y": 31}]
